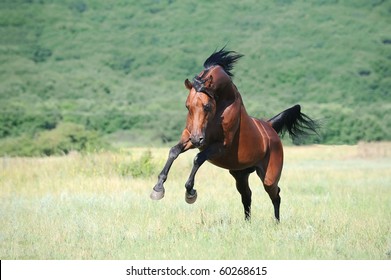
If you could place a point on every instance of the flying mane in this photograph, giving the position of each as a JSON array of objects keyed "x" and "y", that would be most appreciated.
[{"x": 222, "y": 58}]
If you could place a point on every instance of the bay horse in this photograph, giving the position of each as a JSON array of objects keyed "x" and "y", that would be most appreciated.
[{"x": 226, "y": 136}]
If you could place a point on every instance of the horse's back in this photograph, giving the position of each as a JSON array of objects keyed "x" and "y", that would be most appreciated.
[{"x": 270, "y": 137}]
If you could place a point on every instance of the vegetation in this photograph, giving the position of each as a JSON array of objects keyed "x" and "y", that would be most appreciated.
[
  {"x": 63, "y": 139},
  {"x": 335, "y": 205},
  {"x": 117, "y": 67}
]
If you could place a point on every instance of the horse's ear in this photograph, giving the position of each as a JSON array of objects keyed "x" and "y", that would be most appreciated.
[{"x": 188, "y": 84}]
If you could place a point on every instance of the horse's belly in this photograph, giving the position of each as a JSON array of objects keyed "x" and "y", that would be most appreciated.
[
  {"x": 235, "y": 161},
  {"x": 230, "y": 166}
]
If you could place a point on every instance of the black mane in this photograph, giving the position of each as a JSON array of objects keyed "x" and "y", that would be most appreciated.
[{"x": 223, "y": 58}]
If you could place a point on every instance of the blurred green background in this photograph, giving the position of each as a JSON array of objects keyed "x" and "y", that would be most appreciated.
[{"x": 85, "y": 74}]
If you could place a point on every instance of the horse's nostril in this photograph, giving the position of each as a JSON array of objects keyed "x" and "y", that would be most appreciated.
[{"x": 197, "y": 141}]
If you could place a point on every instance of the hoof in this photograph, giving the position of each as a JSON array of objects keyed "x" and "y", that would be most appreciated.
[
  {"x": 157, "y": 195},
  {"x": 191, "y": 198}
]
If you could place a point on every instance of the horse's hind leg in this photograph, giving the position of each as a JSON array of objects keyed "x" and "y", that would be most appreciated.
[
  {"x": 272, "y": 189},
  {"x": 274, "y": 194},
  {"x": 241, "y": 177}
]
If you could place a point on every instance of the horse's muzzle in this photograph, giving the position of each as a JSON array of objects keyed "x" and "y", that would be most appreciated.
[{"x": 197, "y": 141}]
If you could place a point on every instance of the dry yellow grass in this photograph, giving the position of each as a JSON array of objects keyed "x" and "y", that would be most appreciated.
[{"x": 336, "y": 204}]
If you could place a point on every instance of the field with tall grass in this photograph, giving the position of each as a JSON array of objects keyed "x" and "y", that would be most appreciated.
[{"x": 336, "y": 204}]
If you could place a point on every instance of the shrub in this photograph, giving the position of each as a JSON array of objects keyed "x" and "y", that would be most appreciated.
[
  {"x": 66, "y": 137},
  {"x": 141, "y": 168},
  {"x": 41, "y": 54}
]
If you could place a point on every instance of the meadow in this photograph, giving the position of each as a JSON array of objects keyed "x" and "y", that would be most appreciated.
[{"x": 336, "y": 204}]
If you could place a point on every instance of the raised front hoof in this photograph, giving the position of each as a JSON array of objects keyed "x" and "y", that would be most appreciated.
[
  {"x": 157, "y": 195},
  {"x": 191, "y": 198}
]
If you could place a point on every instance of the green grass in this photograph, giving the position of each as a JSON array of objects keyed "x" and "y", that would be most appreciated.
[
  {"x": 116, "y": 66},
  {"x": 336, "y": 203}
]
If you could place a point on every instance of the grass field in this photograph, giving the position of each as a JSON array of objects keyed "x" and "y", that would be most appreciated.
[{"x": 336, "y": 204}]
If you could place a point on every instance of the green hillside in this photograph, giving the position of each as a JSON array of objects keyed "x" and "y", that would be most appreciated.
[{"x": 74, "y": 72}]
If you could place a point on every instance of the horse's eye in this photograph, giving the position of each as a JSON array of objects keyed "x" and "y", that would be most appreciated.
[{"x": 207, "y": 107}]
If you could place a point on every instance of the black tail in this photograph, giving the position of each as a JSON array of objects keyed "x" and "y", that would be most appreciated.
[{"x": 296, "y": 123}]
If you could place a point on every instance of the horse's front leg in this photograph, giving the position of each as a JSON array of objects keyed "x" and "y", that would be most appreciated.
[
  {"x": 208, "y": 153},
  {"x": 182, "y": 146}
]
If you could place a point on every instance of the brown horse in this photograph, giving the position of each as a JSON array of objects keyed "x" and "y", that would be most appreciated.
[{"x": 219, "y": 126}]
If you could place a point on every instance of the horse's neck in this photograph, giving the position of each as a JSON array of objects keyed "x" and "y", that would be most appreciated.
[
  {"x": 238, "y": 98},
  {"x": 226, "y": 97},
  {"x": 244, "y": 116},
  {"x": 228, "y": 94},
  {"x": 229, "y": 97}
]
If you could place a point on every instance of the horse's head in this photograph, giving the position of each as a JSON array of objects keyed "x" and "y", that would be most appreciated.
[
  {"x": 211, "y": 88},
  {"x": 201, "y": 106}
]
